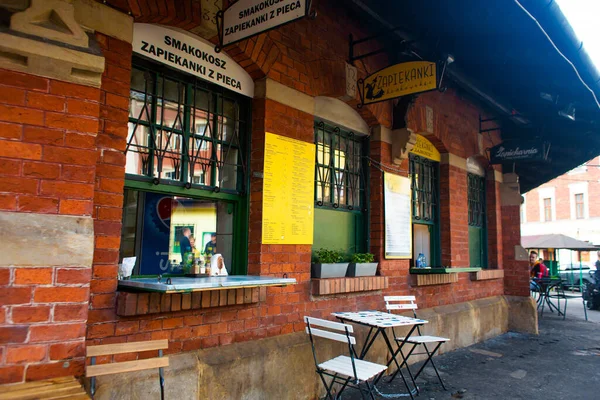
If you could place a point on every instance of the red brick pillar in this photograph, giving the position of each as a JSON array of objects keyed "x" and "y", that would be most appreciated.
[
  {"x": 47, "y": 168},
  {"x": 454, "y": 213},
  {"x": 494, "y": 221},
  {"x": 516, "y": 263},
  {"x": 283, "y": 306},
  {"x": 110, "y": 179}
]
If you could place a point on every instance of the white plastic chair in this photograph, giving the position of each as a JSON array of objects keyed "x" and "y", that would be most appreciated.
[
  {"x": 408, "y": 303},
  {"x": 349, "y": 371}
]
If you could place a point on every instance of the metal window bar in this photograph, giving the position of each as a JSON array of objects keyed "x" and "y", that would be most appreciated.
[
  {"x": 423, "y": 175},
  {"x": 339, "y": 175},
  {"x": 173, "y": 140},
  {"x": 476, "y": 200}
]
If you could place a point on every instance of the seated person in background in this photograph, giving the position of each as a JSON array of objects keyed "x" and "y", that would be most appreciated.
[
  {"x": 217, "y": 266},
  {"x": 211, "y": 247},
  {"x": 536, "y": 268}
]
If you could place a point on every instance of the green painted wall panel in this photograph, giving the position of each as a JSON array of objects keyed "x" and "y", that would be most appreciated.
[{"x": 336, "y": 230}]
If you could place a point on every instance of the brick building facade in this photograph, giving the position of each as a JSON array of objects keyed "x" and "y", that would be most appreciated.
[
  {"x": 566, "y": 205},
  {"x": 62, "y": 183}
]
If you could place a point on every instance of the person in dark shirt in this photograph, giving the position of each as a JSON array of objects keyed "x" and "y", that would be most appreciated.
[
  {"x": 185, "y": 246},
  {"x": 211, "y": 247},
  {"x": 537, "y": 268}
]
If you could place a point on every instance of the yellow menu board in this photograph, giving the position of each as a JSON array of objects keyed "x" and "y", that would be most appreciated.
[{"x": 288, "y": 191}]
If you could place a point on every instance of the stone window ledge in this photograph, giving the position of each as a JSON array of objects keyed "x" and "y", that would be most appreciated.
[
  {"x": 136, "y": 303},
  {"x": 323, "y": 287},
  {"x": 487, "y": 274}
]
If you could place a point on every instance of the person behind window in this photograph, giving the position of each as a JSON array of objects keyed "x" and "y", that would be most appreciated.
[
  {"x": 211, "y": 247},
  {"x": 185, "y": 245},
  {"x": 536, "y": 268}
]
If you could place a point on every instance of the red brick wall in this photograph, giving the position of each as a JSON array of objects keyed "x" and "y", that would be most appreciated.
[
  {"x": 516, "y": 273},
  {"x": 563, "y": 196},
  {"x": 108, "y": 191},
  {"x": 299, "y": 56},
  {"x": 494, "y": 221},
  {"x": 47, "y": 165}
]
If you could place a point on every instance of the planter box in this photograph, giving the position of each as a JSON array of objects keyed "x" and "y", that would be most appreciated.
[
  {"x": 362, "y": 269},
  {"x": 320, "y": 271}
]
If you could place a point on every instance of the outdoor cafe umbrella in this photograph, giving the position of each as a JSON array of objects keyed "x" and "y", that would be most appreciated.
[{"x": 558, "y": 241}]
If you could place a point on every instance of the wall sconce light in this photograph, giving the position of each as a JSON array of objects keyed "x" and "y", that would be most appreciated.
[{"x": 568, "y": 112}]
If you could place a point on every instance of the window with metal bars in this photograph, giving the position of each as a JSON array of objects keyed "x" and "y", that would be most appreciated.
[
  {"x": 424, "y": 185},
  {"x": 476, "y": 197},
  {"x": 477, "y": 220},
  {"x": 182, "y": 129},
  {"x": 424, "y": 178},
  {"x": 186, "y": 166},
  {"x": 339, "y": 179}
]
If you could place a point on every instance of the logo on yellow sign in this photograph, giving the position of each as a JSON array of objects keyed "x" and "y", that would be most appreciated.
[{"x": 399, "y": 80}]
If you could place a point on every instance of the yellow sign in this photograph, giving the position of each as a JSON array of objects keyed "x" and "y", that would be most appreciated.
[
  {"x": 398, "y": 216},
  {"x": 288, "y": 191},
  {"x": 399, "y": 80},
  {"x": 425, "y": 148}
]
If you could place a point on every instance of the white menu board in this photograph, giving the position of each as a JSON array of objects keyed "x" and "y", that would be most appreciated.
[{"x": 398, "y": 222}]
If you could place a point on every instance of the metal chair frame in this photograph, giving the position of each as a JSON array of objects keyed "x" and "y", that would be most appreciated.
[
  {"x": 350, "y": 381},
  {"x": 412, "y": 340},
  {"x": 560, "y": 294}
]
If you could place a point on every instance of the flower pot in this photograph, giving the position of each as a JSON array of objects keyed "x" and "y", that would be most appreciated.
[
  {"x": 362, "y": 269},
  {"x": 337, "y": 270}
]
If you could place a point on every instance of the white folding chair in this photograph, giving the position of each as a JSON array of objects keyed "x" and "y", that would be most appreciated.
[
  {"x": 349, "y": 371},
  {"x": 408, "y": 303}
]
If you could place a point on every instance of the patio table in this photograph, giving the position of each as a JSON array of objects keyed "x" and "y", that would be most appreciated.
[
  {"x": 545, "y": 286},
  {"x": 377, "y": 322}
]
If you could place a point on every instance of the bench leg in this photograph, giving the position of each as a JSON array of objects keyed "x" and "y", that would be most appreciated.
[
  {"x": 161, "y": 378},
  {"x": 93, "y": 379}
]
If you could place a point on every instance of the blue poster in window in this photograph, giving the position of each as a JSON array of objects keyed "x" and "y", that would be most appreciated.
[{"x": 155, "y": 234}]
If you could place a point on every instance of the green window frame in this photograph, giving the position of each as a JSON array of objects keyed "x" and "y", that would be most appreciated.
[
  {"x": 425, "y": 187},
  {"x": 187, "y": 137},
  {"x": 341, "y": 188},
  {"x": 476, "y": 194}
]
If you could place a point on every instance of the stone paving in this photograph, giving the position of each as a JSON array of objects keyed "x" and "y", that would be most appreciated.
[{"x": 563, "y": 362}]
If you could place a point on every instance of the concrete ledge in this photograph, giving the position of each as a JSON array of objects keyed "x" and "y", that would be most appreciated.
[
  {"x": 321, "y": 287},
  {"x": 522, "y": 314},
  {"x": 51, "y": 61},
  {"x": 282, "y": 367},
  {"x": 130, "y": 304},
  {"x": 50, "y": 240},
  {"x": 487, "y": 274}
]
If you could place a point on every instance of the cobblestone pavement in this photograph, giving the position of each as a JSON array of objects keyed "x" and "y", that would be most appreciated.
[{"x": 563, "y": 362}]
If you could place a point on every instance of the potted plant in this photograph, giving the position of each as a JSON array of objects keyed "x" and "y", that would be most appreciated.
[
  {"x": 362, "y": 264},
  {"x": 329, "y": 264}
]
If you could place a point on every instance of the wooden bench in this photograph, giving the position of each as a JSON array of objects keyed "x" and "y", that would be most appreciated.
[
  {"x": 93, "y": 370},
  {"x": 57, "y": 388}
]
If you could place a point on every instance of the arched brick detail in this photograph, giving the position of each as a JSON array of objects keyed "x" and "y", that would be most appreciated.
[{"x": 181, "y": 14}]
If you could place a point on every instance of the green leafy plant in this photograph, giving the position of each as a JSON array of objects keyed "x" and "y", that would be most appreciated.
[
  {"x": 326, "y": 256},
  {"x": 361, "y": 258}
]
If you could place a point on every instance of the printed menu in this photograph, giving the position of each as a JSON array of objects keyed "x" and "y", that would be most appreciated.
[{"x": 288, "y": 191}]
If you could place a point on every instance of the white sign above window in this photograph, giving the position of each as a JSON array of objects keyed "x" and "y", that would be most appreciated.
[
  {"x": 247, "y": 18},
  {"x": 191, "y": 54}
]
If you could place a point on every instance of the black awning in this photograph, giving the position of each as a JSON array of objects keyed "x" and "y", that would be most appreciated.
[{"x": 504, "y": 59}]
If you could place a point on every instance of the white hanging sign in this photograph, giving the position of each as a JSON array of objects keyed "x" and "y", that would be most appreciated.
[
  {"x": 191, "y": 54},
  {"x": 247, "y": 18}
]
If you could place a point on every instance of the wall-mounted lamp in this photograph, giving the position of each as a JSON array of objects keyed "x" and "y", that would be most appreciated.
[{"x": 568, "y": 112}]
